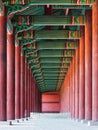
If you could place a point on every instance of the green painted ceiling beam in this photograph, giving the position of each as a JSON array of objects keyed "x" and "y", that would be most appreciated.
[
  {"x": 56, "y": 73},
  {"x": 52, "y": 53},
  {"x": 53, "y": 64},
  {"x": 49, "y": 20},
  {"x": 35, "y": 9},
  {"x": 50, "y": 44},
  {"x": 27, "y": 42},
  {"x": 55, "y": 60},
  {"x": 31, "y": 51},
  {"x": 53, "y": 71},
  {"x": 56, "y": 53},
  {"x": 86, "y": 7},
  {"x": 30, "y": 48},
  {"x": 49, "y": 67},
  {"x": 51, "y": 60},
  {"x": 52, "y": 74},
  {"x": 51, "y": 2},
  {"x": 56, "y": 34},
  {"x": 53, "y": 78},
  {"x": 52, "y": 34}
]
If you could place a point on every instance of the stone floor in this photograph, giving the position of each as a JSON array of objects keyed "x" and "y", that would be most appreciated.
[{"x": 47, "y": 122}]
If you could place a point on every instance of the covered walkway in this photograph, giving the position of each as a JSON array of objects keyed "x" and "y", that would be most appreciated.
[{"x": 49, "y": 64}]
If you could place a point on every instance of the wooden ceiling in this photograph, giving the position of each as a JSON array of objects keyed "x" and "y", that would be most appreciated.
[{"x": 48, "y": 31}]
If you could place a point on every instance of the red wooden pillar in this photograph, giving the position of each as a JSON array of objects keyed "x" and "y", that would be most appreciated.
[
  {"x": 27, "y": 78},
  {"x": 95, "y": 61},
  {"x": 82, "y": 76},
  {"x": 34, "y": 97},
  {"x": 28, "y": 94},
  {"x": 32, "y": 93},
  {"x": 17, "y": 81},
  {"x": 39, "y": 101},
  {"x": 73, "y": 89},
  {"x": 72, "y": 103},
  {"x": 2, "y": 66},
  {"x": 77, "y": 83},
  {"x": 26, "y": 87},
  {"x": 68, "y": 93},
  {"x": 71, "y": 92},
  {"x": 88, "y": 66},
  {"x": 31, "y": 89},
  {"x": 10, "y": 76},
  {"x": 22, "y": 85}
]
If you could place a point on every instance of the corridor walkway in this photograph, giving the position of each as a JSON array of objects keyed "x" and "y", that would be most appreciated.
[{"x": 47, "y": 122}]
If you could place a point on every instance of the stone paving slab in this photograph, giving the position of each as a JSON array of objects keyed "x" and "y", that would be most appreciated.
[{"x": 47, "y": 122}]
